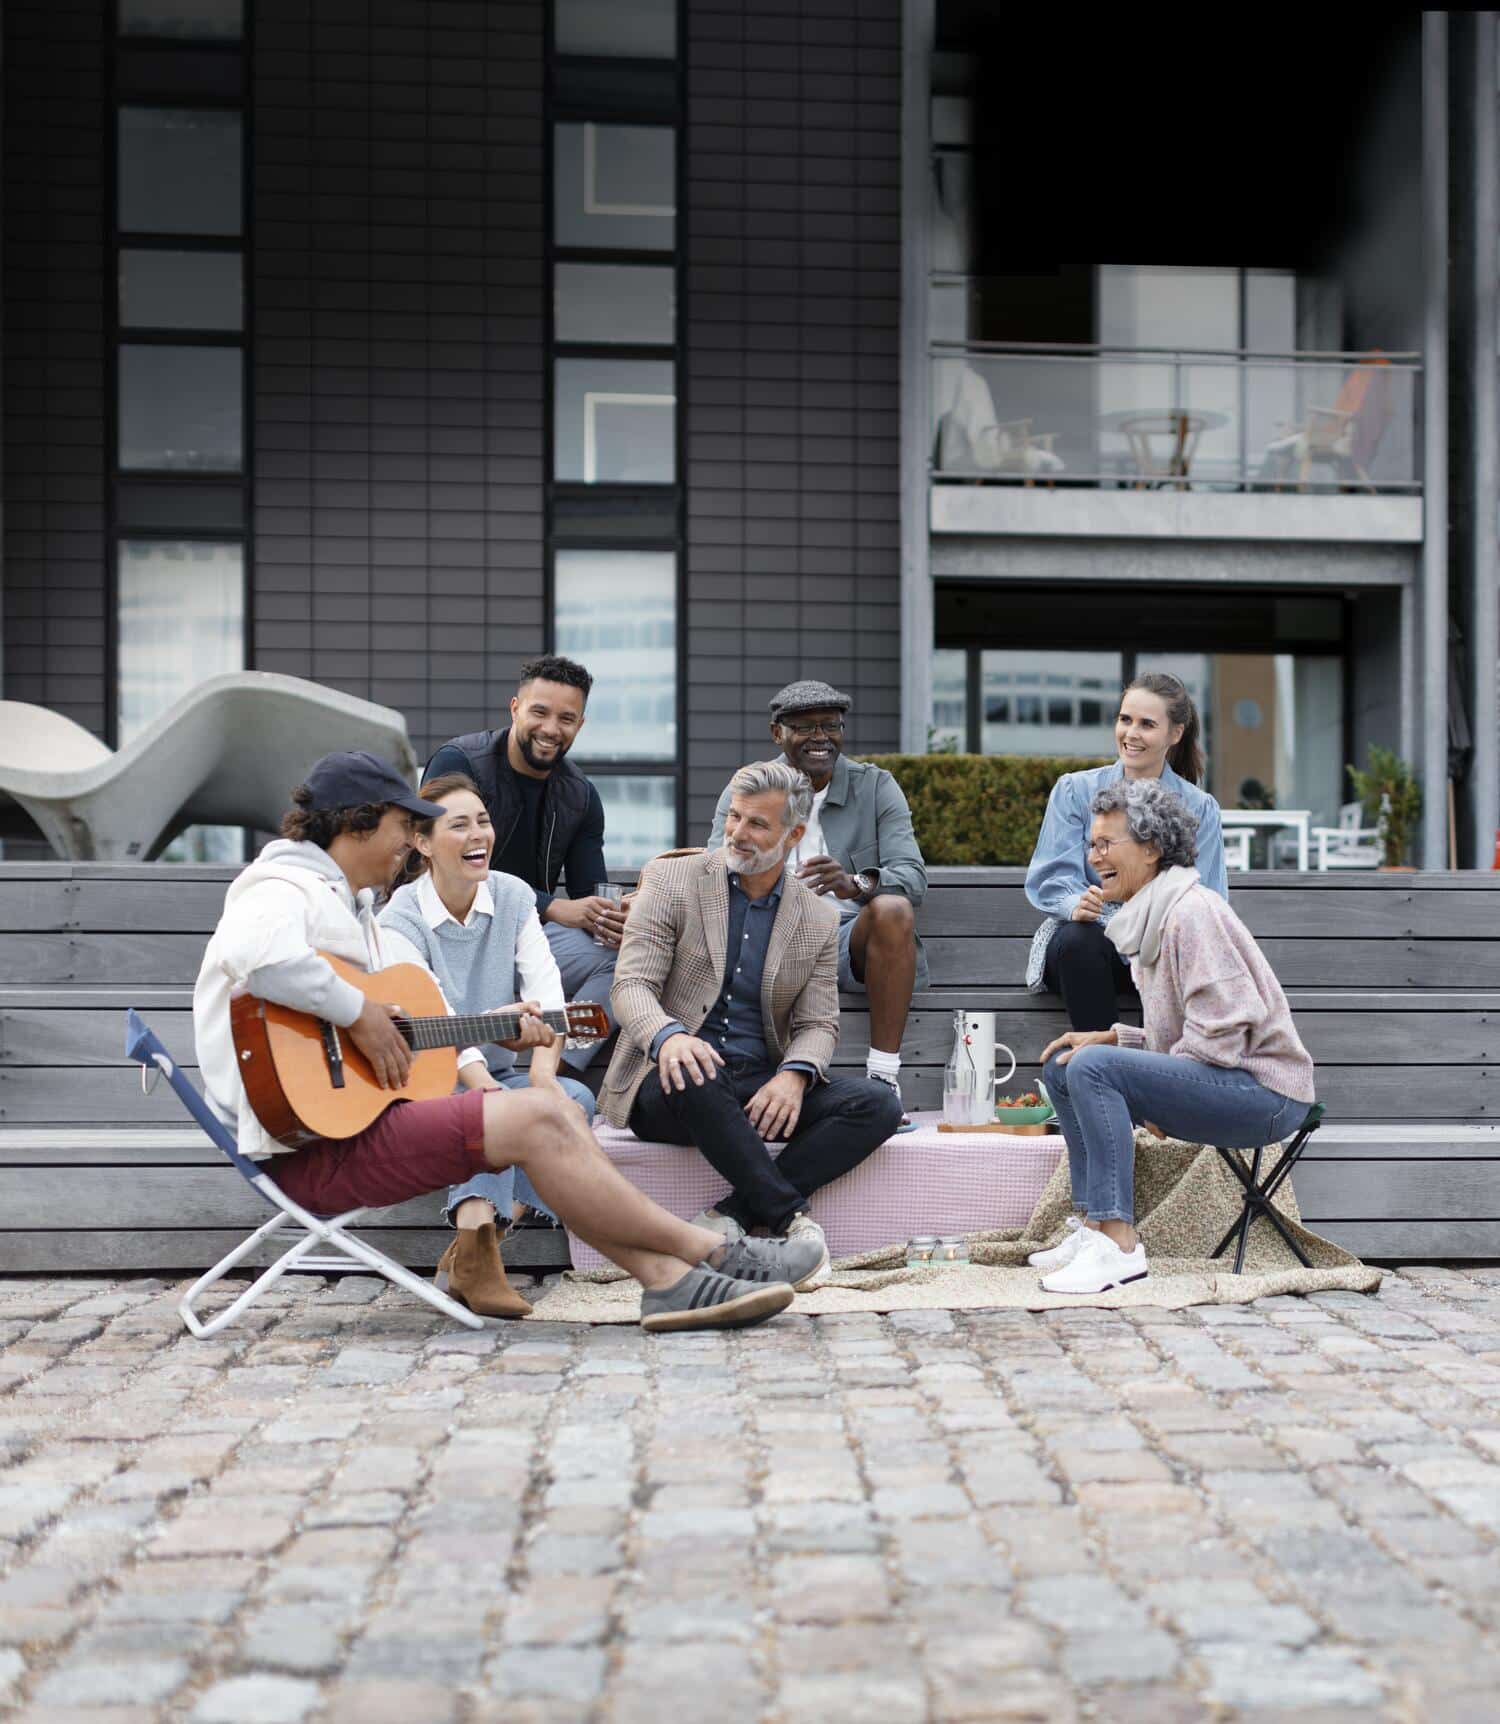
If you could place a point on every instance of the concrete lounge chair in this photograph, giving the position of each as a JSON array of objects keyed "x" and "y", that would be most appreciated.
[{"x": 226, "y": 754}]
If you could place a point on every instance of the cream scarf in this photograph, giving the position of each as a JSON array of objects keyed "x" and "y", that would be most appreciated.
[{"x": 1136, "y": 927}]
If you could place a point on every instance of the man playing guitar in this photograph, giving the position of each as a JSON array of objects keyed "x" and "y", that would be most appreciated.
[{"x": 313, "y": 891}]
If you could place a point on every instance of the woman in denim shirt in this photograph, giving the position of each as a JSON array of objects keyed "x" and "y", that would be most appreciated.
[{"x": 1156, "y": 733}]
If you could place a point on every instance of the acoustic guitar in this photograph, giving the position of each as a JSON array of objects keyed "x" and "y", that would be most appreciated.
[{"x": 306, "y": 1079}]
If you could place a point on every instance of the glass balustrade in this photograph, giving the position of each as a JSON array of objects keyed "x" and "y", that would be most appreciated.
[{"x": 1190, "y": 421}]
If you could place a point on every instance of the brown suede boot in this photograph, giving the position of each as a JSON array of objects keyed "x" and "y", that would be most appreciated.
[{"x": 472, "y": 1272}]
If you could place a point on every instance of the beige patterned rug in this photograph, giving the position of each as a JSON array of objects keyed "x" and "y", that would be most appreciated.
[{"x": 1186, "y": 1198}]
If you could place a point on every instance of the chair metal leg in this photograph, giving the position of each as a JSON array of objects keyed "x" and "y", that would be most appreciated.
[
  {"x": 1247, "y": 1217},
  {"x": 1259, "y": 1199},
  {"x": 403, "y": 1277}
]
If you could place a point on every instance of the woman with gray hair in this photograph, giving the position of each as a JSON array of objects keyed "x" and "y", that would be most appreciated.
[{"x": 1217, "y": 1059}]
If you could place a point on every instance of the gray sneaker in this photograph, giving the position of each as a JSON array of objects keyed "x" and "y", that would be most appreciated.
[
  {"x": 707, "y": 1299},
  {"x": 713, "y": 1222},
  {"x": 796, "y": 1260},
  {"x": 803, "y": 1227}
]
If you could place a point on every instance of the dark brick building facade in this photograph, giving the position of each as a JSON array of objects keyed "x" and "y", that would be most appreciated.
[{"x": 397, "y": 528}]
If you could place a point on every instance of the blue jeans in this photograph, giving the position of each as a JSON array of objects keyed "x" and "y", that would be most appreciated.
[
  {"x": 1103, "y": 1093},
  {"x": 502, "y": 1189}
]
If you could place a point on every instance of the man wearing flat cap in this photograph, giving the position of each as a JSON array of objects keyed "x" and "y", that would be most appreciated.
[{"x": 859, "y": 850}]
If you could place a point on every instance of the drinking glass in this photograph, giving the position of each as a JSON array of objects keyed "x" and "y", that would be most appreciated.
[
  {"x": 963, "y": 1101},
  {"x": 615, "y": 894}
]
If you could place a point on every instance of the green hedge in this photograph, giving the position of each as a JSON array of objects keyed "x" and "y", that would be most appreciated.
[{"x": 977, "y": 810}]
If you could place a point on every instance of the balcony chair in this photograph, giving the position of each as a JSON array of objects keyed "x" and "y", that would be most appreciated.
[
  {"x": 972, "y": 442},
  {"x": 1348, "y": 845},
  {"x": 1237, "y": 849},
  {"x": 322, "y": 1246},
  {"x": 1345, "y": 436}
]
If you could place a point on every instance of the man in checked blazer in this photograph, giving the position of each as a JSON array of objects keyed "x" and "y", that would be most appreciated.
[{"x": 726, "y": 993}]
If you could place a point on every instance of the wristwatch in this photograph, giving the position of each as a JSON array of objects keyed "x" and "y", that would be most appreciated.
[{"x": 869, "y": 883}]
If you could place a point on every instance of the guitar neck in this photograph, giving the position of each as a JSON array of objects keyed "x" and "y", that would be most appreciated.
[{"x": 472, "y": 1027}]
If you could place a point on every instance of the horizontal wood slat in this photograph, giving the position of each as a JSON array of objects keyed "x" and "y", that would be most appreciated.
[
  {"x": 57, "y": 1037},
  {"x": 1395, "y": 981},
  {"x": 164, "y": 1250},
  {"x": 197, "y": 1197},
  {"x": 39, "y": 1095}
]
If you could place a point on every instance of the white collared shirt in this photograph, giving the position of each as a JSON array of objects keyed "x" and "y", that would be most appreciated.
[
  {"x": 435, "y": 912},
  {"x": 537, "y": 975}
]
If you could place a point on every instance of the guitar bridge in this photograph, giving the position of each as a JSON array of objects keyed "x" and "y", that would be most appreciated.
[{"x": 333, "y": 1052}]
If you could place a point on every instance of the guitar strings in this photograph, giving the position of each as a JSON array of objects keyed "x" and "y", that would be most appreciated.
[{"x": 424, "y": 1034}]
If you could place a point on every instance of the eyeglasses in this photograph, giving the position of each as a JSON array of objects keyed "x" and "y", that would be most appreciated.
[
  {"x": 1103, "y": 846},
  {"x": 830, "y": 727}
]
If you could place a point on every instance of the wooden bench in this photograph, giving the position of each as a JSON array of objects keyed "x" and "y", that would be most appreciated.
[{"x": 1394, "y": 978}]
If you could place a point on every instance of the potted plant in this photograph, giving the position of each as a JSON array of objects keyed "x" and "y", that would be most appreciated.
[{"x": 1392, "y": 801}]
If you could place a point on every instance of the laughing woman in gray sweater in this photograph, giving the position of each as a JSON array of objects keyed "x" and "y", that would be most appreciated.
[{"x": 478, "y": 932}]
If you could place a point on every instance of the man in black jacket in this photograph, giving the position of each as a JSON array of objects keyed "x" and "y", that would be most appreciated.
[{"x": 549, "y": 823}]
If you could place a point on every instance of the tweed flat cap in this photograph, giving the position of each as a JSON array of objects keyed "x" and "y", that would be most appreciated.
[{"x": 807, "y": 697}]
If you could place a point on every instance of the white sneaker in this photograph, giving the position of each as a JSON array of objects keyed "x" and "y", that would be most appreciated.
[
  {"x": 802, "y": 1226},
  {"x": 725, "y": 1226},
  {"x": 1073, "y": 1241},
  {"x": 1100, "y": 1265}
]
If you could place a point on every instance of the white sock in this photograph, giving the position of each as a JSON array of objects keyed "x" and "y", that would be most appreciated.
[{"x": 878, "y": 1063}]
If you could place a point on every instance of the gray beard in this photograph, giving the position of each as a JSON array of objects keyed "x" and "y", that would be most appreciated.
[{"x": 764, "y": 860}]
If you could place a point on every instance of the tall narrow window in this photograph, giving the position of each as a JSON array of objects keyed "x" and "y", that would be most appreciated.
[
  {"x": 616, "y": 499},
  {"x": 180, "y": 470}
]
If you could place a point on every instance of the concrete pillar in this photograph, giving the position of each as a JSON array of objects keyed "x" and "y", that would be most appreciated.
[
  {"x": 1432, "y": 764},
  {"x": 1482, "y": 435},
  {"x": 917, "y": 31}
]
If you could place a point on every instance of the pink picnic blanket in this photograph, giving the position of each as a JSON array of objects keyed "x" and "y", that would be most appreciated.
[{"x": 922, "y": 1181}]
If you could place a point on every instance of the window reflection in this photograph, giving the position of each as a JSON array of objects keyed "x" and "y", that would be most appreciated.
[
  {"x": 637, "y": 29},
  {"x": 180, "y": 409},
  {"x": 615, "y": 421},
  {"x": 181, "y": 290},
  {"x": 615, "y": 186},
  {"x": 640, "y": 817},
  {"x": 191, "y": 20},
  {"x": 616, "y": 611},
  {"x": 181, "y": 610},
  {"x": 179, "y": 171},
  {"x": 613, "y": 302},
  {"x": 1076, "y": 716},
  {"x": 949, "y": 730}
]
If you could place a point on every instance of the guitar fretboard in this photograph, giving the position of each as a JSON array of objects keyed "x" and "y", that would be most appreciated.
[{"x": 462, "y": 1032}]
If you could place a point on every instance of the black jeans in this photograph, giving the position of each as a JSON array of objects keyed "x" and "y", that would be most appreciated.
[
  {"x": 1084, "y": 967},
  {"x": 841, "y": 1123}
]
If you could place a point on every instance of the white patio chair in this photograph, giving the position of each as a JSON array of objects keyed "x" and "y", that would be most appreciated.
[
  {"x": 1237, "y": 848},
  {"x": 223, "y": 755},
  {"x": 322, "y": 1245},
  {"x": 1348, "y": 845}
]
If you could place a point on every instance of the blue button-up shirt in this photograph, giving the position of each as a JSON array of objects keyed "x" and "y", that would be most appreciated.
[{"x": 735, "y": 1025}]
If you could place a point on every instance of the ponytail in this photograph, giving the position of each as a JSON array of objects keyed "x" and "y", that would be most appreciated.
[{"x": 1186, "y": 756}]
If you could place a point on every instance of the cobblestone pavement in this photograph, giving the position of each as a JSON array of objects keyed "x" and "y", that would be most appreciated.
[{"x": 346, "y": 1511}]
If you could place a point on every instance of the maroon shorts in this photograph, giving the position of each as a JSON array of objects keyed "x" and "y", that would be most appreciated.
[{"x": 413, "y": 1148}]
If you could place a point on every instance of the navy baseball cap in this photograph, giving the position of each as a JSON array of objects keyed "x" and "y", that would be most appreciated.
[{"x": 352, "y": 779}]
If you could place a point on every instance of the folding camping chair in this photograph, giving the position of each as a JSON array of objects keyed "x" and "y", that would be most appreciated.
[
  {"x": 342, "y": 1249},
  {"x": 1258, "y": 1195}
]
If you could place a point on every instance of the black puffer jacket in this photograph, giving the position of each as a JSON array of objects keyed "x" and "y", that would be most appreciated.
[{"x": 570, "y": 833}]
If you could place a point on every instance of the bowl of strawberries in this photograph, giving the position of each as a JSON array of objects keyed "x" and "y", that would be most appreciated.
[{"x": 1031, "y": 1108}]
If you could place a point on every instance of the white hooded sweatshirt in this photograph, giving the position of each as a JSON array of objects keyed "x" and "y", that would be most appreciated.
[{"x": 292, "y": 902}]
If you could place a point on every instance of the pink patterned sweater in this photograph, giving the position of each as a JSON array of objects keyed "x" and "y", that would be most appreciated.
[{"x": 1212, "y": 996}]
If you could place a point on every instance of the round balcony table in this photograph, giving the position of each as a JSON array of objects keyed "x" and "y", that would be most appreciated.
[{"x": 1174, "y": 431}]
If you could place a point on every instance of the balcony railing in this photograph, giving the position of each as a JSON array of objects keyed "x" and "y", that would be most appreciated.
[{"x": 1149, "y": 418}]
